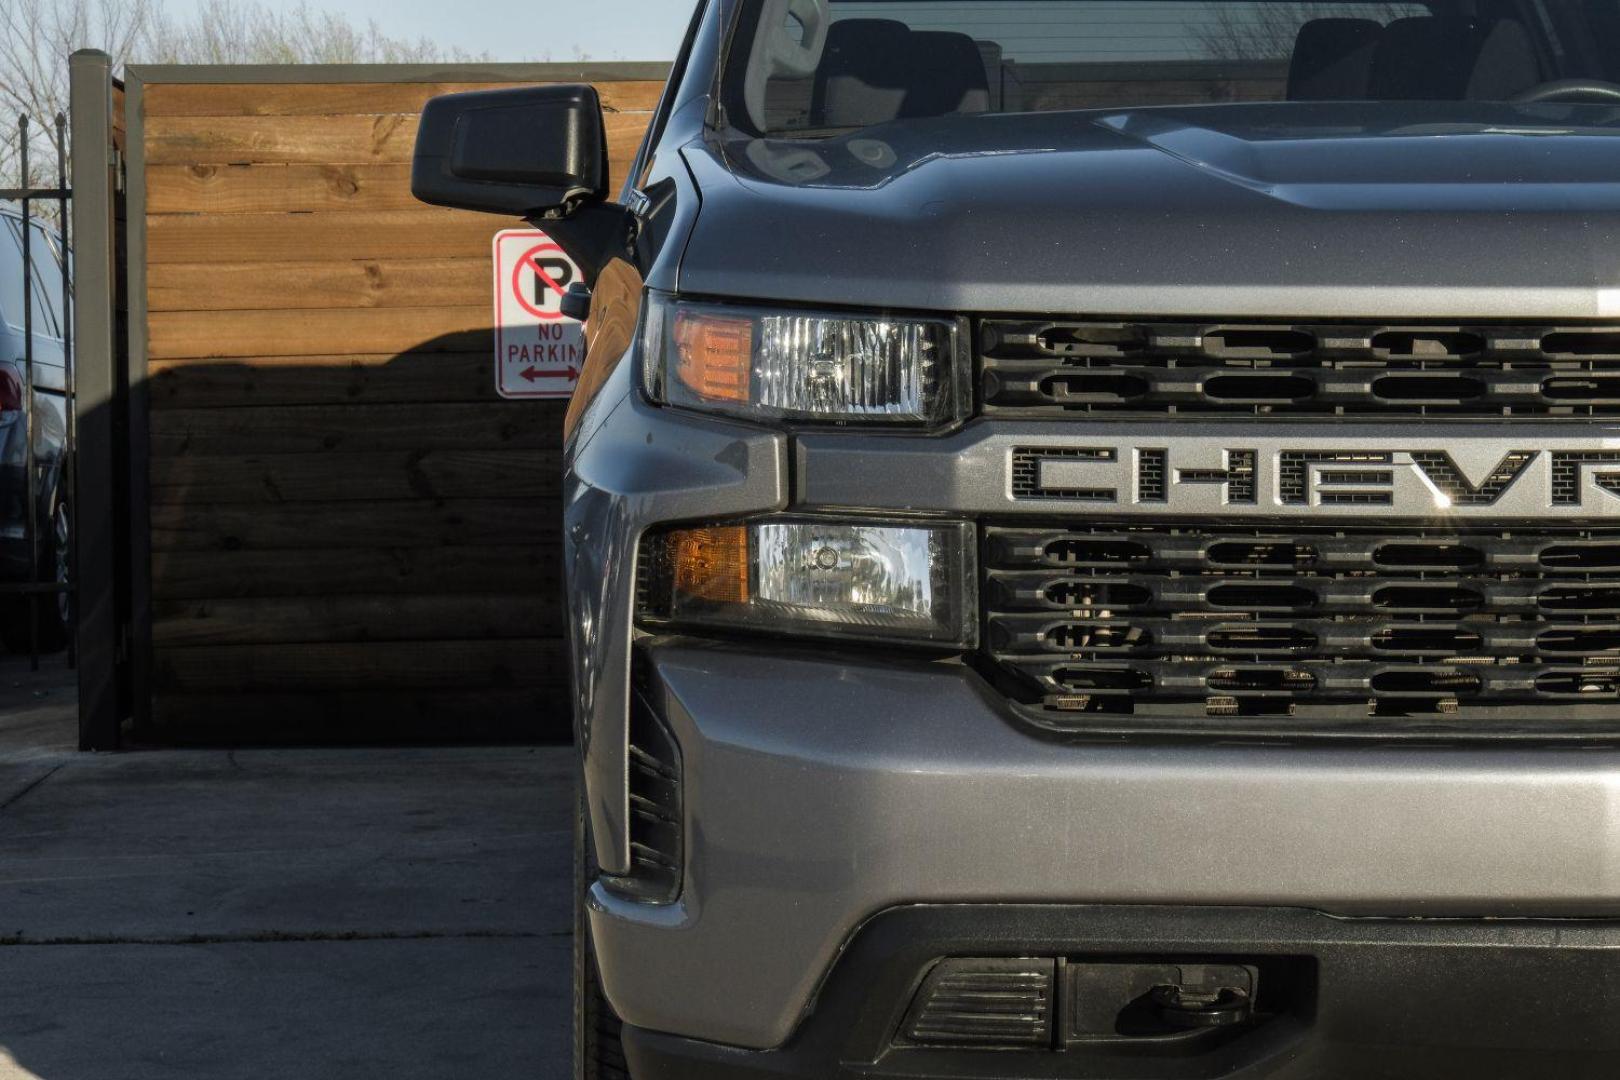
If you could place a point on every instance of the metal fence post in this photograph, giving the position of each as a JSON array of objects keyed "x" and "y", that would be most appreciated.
[
  {"x": 98, "y": 350},
  {"x": 30, "y": 396}
]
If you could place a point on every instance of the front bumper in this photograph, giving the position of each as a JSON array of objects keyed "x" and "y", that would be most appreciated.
[
  {"x": 823, "y": 789},
  {"x": 1415, "y": 999}
]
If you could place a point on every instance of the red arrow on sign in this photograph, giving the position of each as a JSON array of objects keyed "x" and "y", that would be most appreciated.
[{"x": 532, "y": 374}]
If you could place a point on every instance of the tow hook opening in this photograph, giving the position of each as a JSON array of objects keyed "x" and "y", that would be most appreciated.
[
  {"x": 1186, "y": 1008},
  {"x": 1155, "y": 1002}
]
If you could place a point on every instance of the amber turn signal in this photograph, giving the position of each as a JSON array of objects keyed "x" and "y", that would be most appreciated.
[
  {"x": 712, "y": 564},
  {"x": 714, "y": 355}
]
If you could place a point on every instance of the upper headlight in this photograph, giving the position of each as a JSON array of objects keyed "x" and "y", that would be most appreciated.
[{"x": 806, "y": 366}]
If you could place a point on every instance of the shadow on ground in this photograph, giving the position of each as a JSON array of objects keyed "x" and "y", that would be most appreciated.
[{"x": 312, "y": 913}]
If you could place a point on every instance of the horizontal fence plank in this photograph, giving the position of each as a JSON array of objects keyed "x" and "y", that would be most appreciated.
[
  {"x": 424, "y": 233},
  {"x": 319, "y": 331},
  {"x": 297, "y": 429},
  {"x": 382, "y": 138},
  {"x": 324, "y": 361},
  {"x": 303, "y": 478},
  {"x": 303, "y": 620},
  {"x": 527, "y": 714},
  {"x": 326, "y": 140},
  {"x": 247, "y": 382},
  {"x": 416, "y": 523},
  {"x": 528, "y": 570},
  {"x": 406, "y": 665},
  {"x": 347, "y": 284},
  {"x": 247, "y": 189},
  {"x": 321, "y": 99}
]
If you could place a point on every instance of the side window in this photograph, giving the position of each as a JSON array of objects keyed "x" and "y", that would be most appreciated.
[
  {"x": 49, "y": 310},
  {"x": 11, "y": 275}
]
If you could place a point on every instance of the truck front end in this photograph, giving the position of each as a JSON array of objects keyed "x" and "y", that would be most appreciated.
[{"x": 1101, "y": 556}]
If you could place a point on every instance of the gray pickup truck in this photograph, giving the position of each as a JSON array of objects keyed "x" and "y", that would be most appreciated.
[{"x": 1093, "y": 538}]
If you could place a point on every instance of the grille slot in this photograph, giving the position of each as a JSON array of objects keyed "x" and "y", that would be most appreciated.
[
  {"x": 1260, "y": 388},
  {"x": 657, "y": 842},
  {"x": 1168, "y": 368},
  {"x": 1427, "y": 344},
  {"x": 1228, "y": 626}
]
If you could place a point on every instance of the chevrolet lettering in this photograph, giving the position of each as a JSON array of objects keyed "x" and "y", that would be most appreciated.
[{"x": 1175, "y": 477}]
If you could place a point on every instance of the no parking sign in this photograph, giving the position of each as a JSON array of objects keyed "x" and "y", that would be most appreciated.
[{"x": 538, "y": 349}]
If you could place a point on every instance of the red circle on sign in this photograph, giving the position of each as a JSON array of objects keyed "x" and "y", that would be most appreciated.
[{"x": 517, "y": 272}]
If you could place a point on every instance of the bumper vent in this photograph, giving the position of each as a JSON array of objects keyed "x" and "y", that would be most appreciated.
[
  {"x": 984, "y": 1003},
  {"x": 1217, "y": 625},
  {"x": 656, "y": 823},
  {"x": 1160, "y": 369}
]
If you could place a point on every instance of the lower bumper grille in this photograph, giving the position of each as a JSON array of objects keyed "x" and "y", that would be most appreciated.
[{"x": 1215, "y": 626}]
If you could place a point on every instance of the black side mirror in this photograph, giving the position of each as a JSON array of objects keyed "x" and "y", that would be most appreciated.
[{"x": 536, "y": 151}]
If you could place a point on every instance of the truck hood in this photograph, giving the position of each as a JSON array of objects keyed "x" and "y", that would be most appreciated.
[{"x": 1436, "y": 210}]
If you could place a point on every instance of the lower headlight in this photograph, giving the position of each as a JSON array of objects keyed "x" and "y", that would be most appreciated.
[{"x": 905, "y": 582}]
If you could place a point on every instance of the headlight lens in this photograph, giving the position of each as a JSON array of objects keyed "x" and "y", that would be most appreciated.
[
  {"x": 817, "y": 578},
  {"x": 801, "y": 365}
]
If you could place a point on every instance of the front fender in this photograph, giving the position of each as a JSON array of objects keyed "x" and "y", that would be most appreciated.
[{"x": 636, "y": 467}]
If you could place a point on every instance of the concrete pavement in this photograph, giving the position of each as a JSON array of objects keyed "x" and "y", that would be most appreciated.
[{"x": 279, "y": 913}]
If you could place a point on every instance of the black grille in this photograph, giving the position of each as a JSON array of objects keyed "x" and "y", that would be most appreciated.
[
  {"x": 1211, "y": 625},
  {"x": 1203, "y": 369}
]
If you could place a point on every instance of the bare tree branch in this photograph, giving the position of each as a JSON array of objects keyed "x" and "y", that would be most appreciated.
[
  {"x": 35, "y": 39},
  {"x": 37, "y": 36},
  {"x": 246, "y": 32}
]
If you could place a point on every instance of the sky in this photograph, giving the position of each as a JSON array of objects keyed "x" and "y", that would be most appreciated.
[{"x": 519, "y": 29}]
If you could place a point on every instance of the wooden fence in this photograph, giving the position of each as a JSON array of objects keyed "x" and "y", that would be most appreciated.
[{"x": 347, "y": 528}]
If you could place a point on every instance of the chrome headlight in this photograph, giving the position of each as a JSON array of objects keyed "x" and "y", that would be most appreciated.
[
  {"x": 888, "y": 581},
  {"x": 805, "y": 366}
]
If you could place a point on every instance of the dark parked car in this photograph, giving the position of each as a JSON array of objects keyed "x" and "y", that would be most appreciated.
[
  {"x": 1093, "y": 538},
  {"x": 48, "y": 558}
]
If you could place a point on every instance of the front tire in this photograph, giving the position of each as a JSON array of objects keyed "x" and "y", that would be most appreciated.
[{"x": 598, "y": 1052}]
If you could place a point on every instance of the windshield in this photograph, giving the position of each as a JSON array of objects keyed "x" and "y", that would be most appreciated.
[{"x": 821, "y": 67}]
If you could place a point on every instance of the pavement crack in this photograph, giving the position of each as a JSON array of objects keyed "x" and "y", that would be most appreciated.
[{"x": 18, "y": 797}]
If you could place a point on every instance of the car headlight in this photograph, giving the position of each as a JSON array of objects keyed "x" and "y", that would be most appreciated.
[
  {"x": 907, "y": 582},
  {"x": 804, "y": 366}
]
